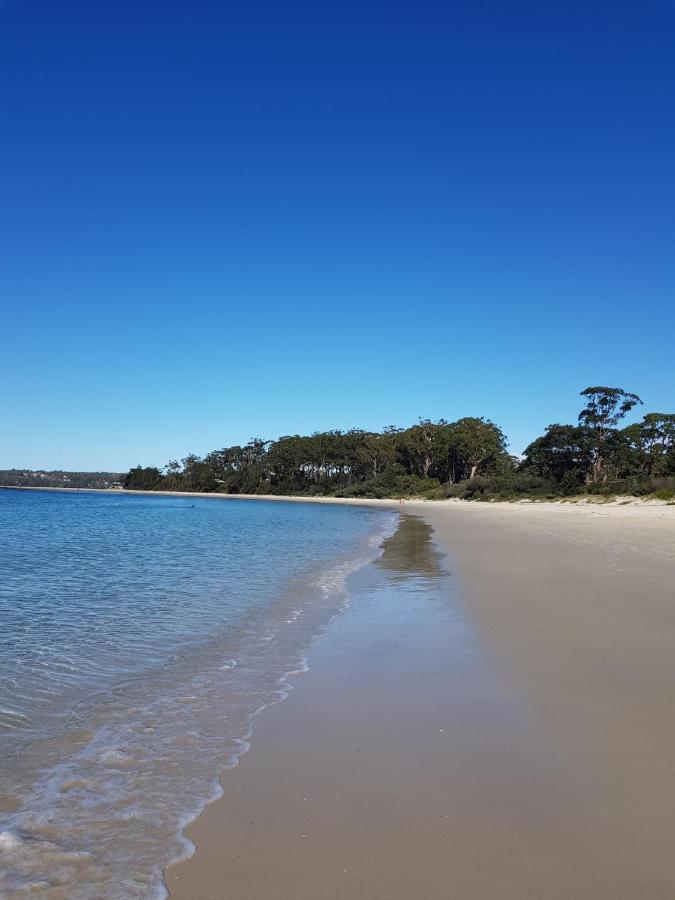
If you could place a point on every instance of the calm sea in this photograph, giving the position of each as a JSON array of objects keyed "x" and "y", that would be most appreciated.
[{"x": 139, "y": 638}]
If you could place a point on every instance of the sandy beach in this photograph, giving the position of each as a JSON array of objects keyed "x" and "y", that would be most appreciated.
[{"x": 505, "y": 731}]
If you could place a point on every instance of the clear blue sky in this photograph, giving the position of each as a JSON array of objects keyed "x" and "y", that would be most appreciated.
[{"x": 227, "y": 220}]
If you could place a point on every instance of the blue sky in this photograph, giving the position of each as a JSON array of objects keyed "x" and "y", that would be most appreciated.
[{"x": 223, "y": 222}]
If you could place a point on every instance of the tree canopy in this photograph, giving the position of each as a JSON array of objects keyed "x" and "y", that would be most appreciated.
[{"x": 467, "y": 457}]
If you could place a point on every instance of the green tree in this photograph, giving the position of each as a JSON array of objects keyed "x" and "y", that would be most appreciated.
[
  {"x": 141, "y": 478},
  {"x": 288, "y": 464},
  {"x": 605, "y": 407},
  {"x": 653, "y": 442},
  {"x": 475, "y": 444},
  {"x": 198, "y": 474},
  {"x": 424, "y": 447},
  {"x": 564, "y": 452},
  {"x": 376, "y": 453}
]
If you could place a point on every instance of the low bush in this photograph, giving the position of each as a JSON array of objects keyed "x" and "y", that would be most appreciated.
[
  {"x": 511, "y": 486},
  {"x": 392, "y": 487}
]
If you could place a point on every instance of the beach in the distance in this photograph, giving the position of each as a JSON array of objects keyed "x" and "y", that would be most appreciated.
[{"x": 501, "y": 731}]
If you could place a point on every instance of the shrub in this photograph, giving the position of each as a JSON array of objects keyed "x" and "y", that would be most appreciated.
[
  {"x": 510, "y": 486},
  {"x": 385, "y": 487}
]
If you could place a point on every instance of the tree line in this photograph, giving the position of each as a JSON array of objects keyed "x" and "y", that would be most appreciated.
[{"x": 466, "y": 458}]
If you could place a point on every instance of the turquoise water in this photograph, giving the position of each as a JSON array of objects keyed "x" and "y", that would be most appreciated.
[{"x": 140, "y": 637}]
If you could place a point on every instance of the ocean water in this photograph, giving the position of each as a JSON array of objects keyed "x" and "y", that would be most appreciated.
[{"x": 139, "y": 638}]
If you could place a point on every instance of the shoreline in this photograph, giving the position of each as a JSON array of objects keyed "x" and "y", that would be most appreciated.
[
  {"x": 168, "y": 729},
  {"x": 549, "y": 774},
  {"x": 285, "y": 498},
  {"x": 619, "y": 505},
  {"x": 284, "y": 685}
]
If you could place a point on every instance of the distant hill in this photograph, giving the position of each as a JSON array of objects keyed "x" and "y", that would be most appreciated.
[{"x": 41, "y": 478}]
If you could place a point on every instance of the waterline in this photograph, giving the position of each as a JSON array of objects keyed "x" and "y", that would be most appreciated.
[{"x": 102, "y": 796}]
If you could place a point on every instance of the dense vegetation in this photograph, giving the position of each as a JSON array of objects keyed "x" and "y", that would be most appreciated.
[
  {"x": 40, "y": 478},
  {"x": 467, "y": 458}
]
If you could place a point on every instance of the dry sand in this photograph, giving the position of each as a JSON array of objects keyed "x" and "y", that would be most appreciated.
[{"x": 508, "y": 733}]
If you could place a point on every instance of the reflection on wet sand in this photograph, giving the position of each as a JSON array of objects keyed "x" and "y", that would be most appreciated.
[{"x": 410, "y": 552}]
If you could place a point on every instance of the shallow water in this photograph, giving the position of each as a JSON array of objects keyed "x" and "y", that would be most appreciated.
[{"x": 140, "y": 638}]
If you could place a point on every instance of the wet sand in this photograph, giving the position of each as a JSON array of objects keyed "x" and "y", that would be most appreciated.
[{"x": 502, "y": 732}]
